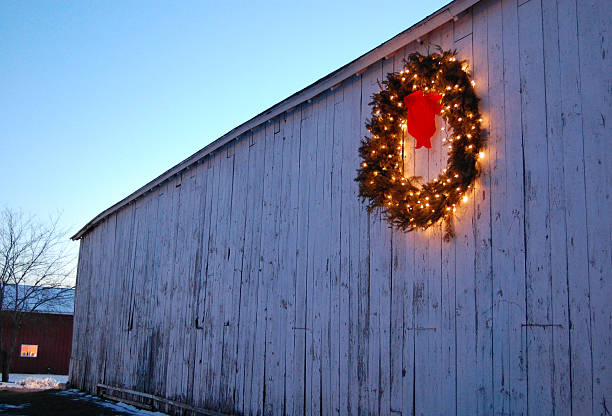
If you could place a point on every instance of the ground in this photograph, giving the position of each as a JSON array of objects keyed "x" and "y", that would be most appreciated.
[{"x": 30, "y": 395}]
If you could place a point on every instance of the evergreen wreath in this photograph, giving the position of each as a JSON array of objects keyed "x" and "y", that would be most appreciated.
[{"x": 407, "y": 202}]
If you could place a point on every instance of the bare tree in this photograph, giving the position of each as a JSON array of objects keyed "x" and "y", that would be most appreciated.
[{"x": 35, "y": 272}]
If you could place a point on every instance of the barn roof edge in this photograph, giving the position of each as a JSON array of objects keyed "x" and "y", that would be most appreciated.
[{"x": 357, "y": 66}]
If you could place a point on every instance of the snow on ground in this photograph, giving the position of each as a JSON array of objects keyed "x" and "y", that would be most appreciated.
[
  {"x": 34, "y": 381},
  {"x": 117, "y": 407},
  {"x": 12, "y": 407},
  {"x": 53, "y": 381}
]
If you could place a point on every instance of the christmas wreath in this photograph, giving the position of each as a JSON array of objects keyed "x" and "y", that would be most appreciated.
[{"x": 406, "y": 105}]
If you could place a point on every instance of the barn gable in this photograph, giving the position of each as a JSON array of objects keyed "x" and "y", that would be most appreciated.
[{"x": 250, "y": 279}]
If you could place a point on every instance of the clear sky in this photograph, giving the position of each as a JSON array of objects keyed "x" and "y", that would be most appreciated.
[{"x": 98, "y": 98}]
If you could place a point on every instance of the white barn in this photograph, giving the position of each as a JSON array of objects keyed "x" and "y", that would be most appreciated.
[{"x": 250, "y": 279}]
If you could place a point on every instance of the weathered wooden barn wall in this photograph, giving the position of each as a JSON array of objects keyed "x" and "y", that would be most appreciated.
[{"x": 256, "y": 283}]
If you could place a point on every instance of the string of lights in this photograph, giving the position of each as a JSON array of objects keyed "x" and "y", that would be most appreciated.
[{"x": 407, "y": 202}]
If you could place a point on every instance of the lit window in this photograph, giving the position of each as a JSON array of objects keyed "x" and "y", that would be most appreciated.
[{"x": 29, "y": 350}]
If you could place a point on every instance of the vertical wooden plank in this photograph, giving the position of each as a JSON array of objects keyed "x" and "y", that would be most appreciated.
[
  {"x": 126, "y": 267},
  {"x": 325, "y": 142},
  {"x": 109, "y": 297},
  {"x": 346, "y": 201},
  {"x": 335, "y": 260},
  {"x": 292, "y": 153},
  {"x": 277, "y": 304},
  {"x": 132, "y": 282},
  {"x": 139, "y": 277},
  {"x": 352, "y": 218},
  {"x": 114, "y": 281},
  {"x": 472, "y": 396},
  {"x": 94, "y": 330},
  {"x": 176, "y": 296},
  {"x": 115, "y": 327},
  {"x": 94, "y": 305},
  {"x": 503, "y": 147},
  {"x": 81, "y": 312},
  {"x": 312, "y": 377},
  {"x": 347, "y": 128},
  {"x": 207, "y": 175},
  {"x": 280, "y": 302},
  {"x": 75, "y": 352},
  {"x": 594, "y": 48},
  {"x": 132, "y": 300},
  {"x": 185, "y": 258},
  {"x": 574, "y": 204},
  {"x": 378, "y": 273},
  {"x": 200, "y": 219},
  {"x": 513, "y": 259},
  {"x": 302, "y": 332},
  {"x": 481, "y": 221},
  {"x": 321, "y": 392},
  {"x": 252, "y": 268},
  {"x": 444, "y": 254},
  {"x": 259, "y": 381},
  {"x": 89, "y": 320},
  {"x": 537, "y": 227},
  {"x": 287, "y": 252},
  {"x": 432, "y": 331},
  {"x": 212, "y": 319},
  {"x": 561, "y": 382},
  {"x": 494, "y": 152},
  {"x": 235, "y": 253},
  {"x": 269, "y": 266},
  {"x": 385, "y": 255},
  {"x": 172, "y": 297},
  {"x": 241, "y": 266},
  {"x": 403, "y": 274},
  {"x": 379, "y": 302},
  {"x": 162, "y": 250},
  {"x": 220, "y": 271},
  {"x": 317, "y": 305},
  {"x": 163, "y": 233},
  {"x": 308, "y": 133},
  {"x": 191, "y": 210},
  {"x": 398, "y": 296},
  {"x": 85, "y": 299},
  {"x": 229, "y": 282},
  {"x": 207, "y": 306},
  {"x": 424, "y": 329},
  {"x": 223, "y": 278},
  {"x": 152, "y": 273},
  {"x": 369, "y": 86}
]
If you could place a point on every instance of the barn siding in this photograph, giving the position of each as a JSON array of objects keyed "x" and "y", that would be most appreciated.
[
  {"x": 256, "y": 283},
  {"x": 51, "y": 332}
]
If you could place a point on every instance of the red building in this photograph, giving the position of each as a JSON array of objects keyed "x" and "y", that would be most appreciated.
[{"x": 44, "y": 342}]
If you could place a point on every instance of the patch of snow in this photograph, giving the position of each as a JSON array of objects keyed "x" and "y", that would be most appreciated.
[
  {"x": 115, "y": 406},
  {"x": 34, "y": 381},
  {"x": 12, "y": 406},
  {"x": 16, "y": 377}
]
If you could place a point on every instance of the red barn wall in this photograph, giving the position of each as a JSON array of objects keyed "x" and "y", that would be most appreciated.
[{"x": 53, "y": 335}]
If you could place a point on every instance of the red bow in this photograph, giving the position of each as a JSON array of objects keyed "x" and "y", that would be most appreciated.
[{"x": 420, "y": 117}]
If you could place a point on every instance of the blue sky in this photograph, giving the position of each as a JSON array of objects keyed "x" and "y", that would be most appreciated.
[{"x": 98, "y": 98}]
